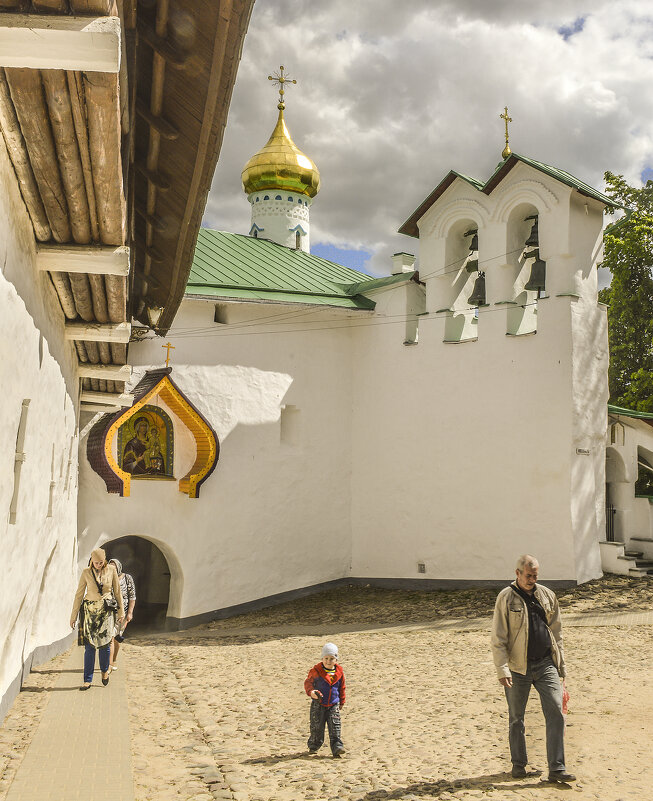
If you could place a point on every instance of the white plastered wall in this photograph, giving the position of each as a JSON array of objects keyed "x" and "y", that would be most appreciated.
[
  {"x": 36, "y": 363},
  {"x": 465, "y": 454},
  {"x": 275, "y": 515}
]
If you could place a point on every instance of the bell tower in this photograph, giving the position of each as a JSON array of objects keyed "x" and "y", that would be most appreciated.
[{"x": 280, "y": 182}]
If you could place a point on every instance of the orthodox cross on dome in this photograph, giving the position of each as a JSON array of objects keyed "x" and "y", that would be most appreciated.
[
  {"x": 506, "y": 150},
  {"x": 168, "y": 348},
  {"x": 279, "y": 79}
]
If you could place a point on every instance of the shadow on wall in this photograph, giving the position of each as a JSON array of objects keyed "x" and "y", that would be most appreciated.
[{"x": 147, "y": 565}]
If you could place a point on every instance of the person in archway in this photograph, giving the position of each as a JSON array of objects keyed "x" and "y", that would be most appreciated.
[
  {"x": 128, "y": 592},
  {"x": 99, "y": 600}
]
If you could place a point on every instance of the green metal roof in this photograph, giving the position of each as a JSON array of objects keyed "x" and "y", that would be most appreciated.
[
  {"x": 242, "y": 267},
  {"x": 629, "y": 412},
  {"x": 410, "y": 226}
]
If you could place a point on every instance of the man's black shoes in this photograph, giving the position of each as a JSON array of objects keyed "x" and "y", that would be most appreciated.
[
  {"x": 518, "y": 772},
  {"x": 558, "y": 776}
]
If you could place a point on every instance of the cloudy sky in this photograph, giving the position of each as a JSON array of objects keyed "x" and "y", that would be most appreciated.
[{"x": 391, "y": 96}]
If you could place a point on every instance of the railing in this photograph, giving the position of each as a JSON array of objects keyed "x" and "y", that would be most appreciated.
[{"x": 610, "y": 512}]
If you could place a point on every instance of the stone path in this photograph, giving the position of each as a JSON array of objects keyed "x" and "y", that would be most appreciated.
[{"x": 81, "y": 748}]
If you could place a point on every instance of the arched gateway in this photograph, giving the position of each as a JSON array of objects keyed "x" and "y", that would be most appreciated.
[{"x": 157, "y": 576}]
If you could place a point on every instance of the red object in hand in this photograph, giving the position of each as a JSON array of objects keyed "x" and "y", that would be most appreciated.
[{"x": 565, "y": 698}]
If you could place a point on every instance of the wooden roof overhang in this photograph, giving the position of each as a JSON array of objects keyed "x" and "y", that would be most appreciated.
[{"x": 113, "y": 116}]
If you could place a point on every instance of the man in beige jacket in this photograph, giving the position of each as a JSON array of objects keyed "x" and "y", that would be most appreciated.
[{"x": 527, "y": 651}]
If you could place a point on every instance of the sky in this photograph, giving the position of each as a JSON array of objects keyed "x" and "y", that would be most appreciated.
[{"x": 391, "y": 96}]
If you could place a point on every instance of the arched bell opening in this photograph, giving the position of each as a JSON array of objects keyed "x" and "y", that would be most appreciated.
[
  {"x": 526, "y": 269},
  {"x": 157, "y": 578},
  {"x": 462, "y": 281}
]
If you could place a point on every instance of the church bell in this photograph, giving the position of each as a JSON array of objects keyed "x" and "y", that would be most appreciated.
[
  {"x": 536, "y": 282},
  {"x": 472, "y": 266},
  {"x": 533, "y": 240},
  {"x": 477, "y": 298}
]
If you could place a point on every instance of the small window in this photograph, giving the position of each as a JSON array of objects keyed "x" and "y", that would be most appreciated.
[
  {"x": 257, "y": 199},
  {"x": 267, "y": 197},
  {"x": 299, "y": 201},
  {"x": 278, "y": 197},
  {"x": 290, "y": 198},
  {"x": 255, "y": 233},
  {"x": 298, "y": 240}
]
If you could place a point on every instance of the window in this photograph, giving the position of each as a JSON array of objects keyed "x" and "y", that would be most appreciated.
[{"x": 298, "y": 240}]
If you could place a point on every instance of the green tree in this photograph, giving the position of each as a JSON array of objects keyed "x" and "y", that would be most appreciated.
[{"x": 628, "y": 254}]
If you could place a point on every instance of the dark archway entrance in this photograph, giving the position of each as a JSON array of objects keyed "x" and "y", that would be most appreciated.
[{"x": 151, "y": 573}]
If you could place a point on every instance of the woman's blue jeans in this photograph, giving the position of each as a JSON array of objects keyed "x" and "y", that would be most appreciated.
[
  {"x": 89, "y": 660},
  {"x": 542, "y": 675}
]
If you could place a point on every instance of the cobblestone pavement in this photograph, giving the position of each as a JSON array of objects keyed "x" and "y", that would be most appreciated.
[{"x": 221, "y": 716}]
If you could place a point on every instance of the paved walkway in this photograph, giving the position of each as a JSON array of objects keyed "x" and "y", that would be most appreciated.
[{"x": 81, "y": 748}]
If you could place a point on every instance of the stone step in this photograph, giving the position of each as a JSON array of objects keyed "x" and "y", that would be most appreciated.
[
  {"x": 641, "y": 539},
  {"x": 638, "y": 572},
  {"x": 627, "y": 558},
  {"x": 635, "y": 554},
  {"x": 646, "y": 563}
]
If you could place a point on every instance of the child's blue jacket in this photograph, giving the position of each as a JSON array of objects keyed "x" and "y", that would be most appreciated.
[{"x": 332, "y": 692}]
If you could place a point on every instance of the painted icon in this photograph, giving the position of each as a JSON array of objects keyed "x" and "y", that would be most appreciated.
[{"x": 145, "y": 444}]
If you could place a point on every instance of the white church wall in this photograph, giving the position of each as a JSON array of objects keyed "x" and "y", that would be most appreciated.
[
  {"x": 37, "y": 372},
  {"x": 480, "y": 429},
  {"x": 275, "y": 515}
]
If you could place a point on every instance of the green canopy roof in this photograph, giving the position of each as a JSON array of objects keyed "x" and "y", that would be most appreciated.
[{"x": 238, "y": 267}]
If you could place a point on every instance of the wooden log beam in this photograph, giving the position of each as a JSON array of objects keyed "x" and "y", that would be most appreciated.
[
  {"x": 116, "y": 332},
  {"x": 70, "y": 164},
  {"x": 27, "y": 96},
  {"x": 99, "y": 295},
  {"x": 20, "y": 159},
  {"x": 57, "y": 42},
  {"x": 103, "y": 109},
  {"x": 78, "y": 106},
  {"x": 62, "y": 286},
  {"x": 122, "y": 399},
  {"x": 169, "y": 53},
  {"x": 109, "y": 372},
  {"x": 82, "y": 294},
  {"x": 116, "y": 289},
  {"x": 97, "y": 259}
]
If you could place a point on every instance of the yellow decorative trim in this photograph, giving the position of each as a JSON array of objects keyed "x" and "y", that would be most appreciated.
[{"x": 206, "y": 445}]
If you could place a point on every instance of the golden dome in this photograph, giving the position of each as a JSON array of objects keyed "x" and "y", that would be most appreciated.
[{"x": 281, "y": 165}]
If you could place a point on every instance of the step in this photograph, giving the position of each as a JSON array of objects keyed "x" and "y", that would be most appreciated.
[
  {"x": 645, "y": 563},
  {"x": 638, "y": 572},
  {"x": 627, "y": 558},
  {"x": 641, "y": 539},
  {"x": 635, "y": 554}
]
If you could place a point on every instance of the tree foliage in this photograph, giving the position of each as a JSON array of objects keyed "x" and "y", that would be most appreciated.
[{"x": 628, "y": 254}]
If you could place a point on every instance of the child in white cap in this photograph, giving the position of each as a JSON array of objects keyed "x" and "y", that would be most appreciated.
[{"x": 325, "y": 684}]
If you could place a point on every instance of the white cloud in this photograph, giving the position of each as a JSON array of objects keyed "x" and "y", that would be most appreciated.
[{"x": 391, "y": 96}]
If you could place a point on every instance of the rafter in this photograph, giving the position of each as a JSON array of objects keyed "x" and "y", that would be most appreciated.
[
  {"x": 55, "y": 42},
  {"x": 118, "y": 332},
  {"x": 102, "y": 260}
]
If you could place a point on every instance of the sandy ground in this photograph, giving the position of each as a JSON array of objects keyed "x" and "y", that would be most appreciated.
[{"x": 219, "y": 712}]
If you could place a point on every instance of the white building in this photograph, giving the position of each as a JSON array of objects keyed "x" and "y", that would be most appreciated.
[
  {"x": 81, "y": 255},
  {"x": 379, "y": 431}
]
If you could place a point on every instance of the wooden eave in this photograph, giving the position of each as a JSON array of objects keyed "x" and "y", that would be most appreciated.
[{"x": 125, "y": 158}]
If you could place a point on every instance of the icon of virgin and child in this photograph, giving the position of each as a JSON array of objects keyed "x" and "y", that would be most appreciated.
[{"x": 142, "y": 453}]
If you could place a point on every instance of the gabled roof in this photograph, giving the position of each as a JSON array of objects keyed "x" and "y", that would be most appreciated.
[
  {"x": 410, "y": 226},
  {"x": 234, "y": 266}
]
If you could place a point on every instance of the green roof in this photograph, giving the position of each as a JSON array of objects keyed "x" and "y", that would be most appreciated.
[
  {"x": 410, "y": 226},
  {"x": 239, "y": 267},
  {"x": 629, "y": 412}
]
